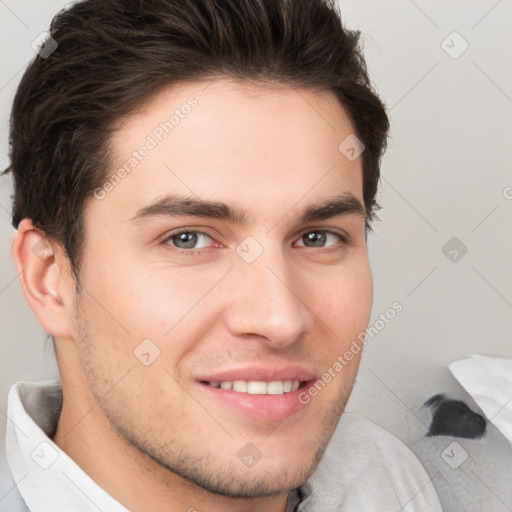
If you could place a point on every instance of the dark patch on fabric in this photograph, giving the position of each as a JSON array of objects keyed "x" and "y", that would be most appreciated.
[{"x": 454, "y": 418}]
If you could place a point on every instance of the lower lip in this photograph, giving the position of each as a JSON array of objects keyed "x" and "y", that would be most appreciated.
[{"x": 261, "y": 407}]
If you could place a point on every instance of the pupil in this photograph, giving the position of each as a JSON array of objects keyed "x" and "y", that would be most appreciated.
[{"x": 315, "y": 239}]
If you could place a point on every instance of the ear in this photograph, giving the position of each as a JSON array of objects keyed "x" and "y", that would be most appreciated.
[{"x": 46, "y": 281}]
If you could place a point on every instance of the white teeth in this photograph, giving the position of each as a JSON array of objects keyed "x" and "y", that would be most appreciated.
[
  {"x": 258, "y": 387},
  {"x": 275, "y": 388},
  {"x": 240, "y": 386}
]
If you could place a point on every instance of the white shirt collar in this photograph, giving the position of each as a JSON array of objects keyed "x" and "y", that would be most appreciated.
[{"x": 48, "y": 479}]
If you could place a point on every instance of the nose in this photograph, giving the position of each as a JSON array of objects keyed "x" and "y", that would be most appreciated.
[{"x": 267, "y": 301}]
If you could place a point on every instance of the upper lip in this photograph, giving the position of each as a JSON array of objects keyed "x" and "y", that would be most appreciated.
[{"x": 267, "y": 373}]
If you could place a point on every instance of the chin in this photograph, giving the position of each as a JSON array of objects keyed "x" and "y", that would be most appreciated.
[
  {"x": 249, "y": 473},
  {"x": 255, "y": 482}
]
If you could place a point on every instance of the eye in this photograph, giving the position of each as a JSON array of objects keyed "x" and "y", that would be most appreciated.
[
  {"x": 320, "y": 238},
  {"x": 189, "y": 240}
]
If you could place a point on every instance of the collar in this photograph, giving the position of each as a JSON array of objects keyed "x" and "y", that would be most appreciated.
[{"x": 48, "y": 479}]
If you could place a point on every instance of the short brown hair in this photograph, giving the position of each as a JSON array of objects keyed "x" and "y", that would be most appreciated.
[{"x": 113, "y": 55}]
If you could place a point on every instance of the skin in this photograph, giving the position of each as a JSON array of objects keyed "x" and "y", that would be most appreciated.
[{"x": 165, "y": 443}]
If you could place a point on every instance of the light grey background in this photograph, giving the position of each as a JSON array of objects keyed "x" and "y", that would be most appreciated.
[{"x": 445, "y": 175}]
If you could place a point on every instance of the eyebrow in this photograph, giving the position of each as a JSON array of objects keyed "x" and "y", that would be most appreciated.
[{"x": 182, "y": 206}]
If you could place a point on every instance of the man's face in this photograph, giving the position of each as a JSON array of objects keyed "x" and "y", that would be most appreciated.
[{"x": 172, "y": 304}]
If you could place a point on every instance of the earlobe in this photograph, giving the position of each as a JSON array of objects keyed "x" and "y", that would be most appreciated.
[{"x": 43, "y": 278}]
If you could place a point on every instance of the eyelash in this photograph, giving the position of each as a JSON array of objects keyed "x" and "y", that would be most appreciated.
[{"x": 198, "y": 252}]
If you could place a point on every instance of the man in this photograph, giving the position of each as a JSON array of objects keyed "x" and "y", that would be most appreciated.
[{"x": 194, "y": 183}]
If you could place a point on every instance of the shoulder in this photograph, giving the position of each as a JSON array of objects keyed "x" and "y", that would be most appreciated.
[
  {"x": 365, "y": 467},
  {"x": 42, "y": 400},
  {"x": 10, "y": 497}
]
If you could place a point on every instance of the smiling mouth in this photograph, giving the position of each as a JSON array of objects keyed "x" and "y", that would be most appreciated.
[{"x": 257, "y": 387}]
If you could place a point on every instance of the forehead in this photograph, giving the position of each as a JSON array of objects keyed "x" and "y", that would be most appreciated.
[{"x": 257, "y": 145}]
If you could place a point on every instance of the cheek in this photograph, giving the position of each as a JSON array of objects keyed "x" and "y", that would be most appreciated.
[
  {"x": 347, "y": 302},
  {"x": 346, "y": 306},
  {"x": 147, "y": 297}
]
